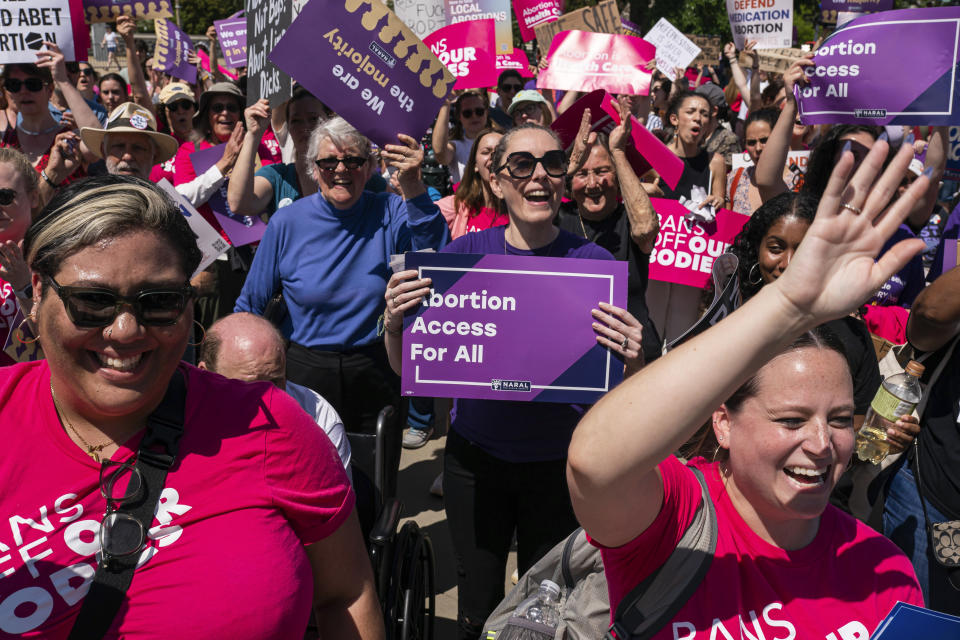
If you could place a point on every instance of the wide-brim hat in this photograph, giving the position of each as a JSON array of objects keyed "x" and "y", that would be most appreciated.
[
  {"x": 130, "y": 117},
  {"x": 526, "y": 95},
  {"x": 227, "y": 88}
]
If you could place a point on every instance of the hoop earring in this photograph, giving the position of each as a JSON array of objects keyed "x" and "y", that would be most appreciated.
[
  {"x": 750, "y": 279},
  {"x": 716, "y": 452},
  {"x": 18, "y": 333},
  {"x": 203, "y": 334}
]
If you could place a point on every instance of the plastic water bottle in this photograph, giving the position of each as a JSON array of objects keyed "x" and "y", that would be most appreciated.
[
  {"x": 897, "y": 396},
  {"x": 545, "y": 609}
]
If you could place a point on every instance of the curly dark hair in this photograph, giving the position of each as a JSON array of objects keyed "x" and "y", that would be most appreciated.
[
  {"x": 747, "y": 243},
  {"x": 823, "y": 156}
]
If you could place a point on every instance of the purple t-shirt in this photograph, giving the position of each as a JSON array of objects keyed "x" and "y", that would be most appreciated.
[
  {"x": 905, "y": 285},
  {"x": 520, "y": 431}
]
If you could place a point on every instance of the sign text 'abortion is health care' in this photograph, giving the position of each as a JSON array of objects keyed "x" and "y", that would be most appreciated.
[{"x": 511, "y": 328}]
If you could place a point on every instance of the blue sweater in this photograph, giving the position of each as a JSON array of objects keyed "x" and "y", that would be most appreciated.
[{"x": 332, "y": 265}]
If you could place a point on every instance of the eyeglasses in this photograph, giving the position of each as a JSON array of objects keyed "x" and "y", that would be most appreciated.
[
  {"x": 180, "y": 105},
  {"x": 229, "y": 107},
  {"x": 89, "y": 307},
  {"x": 528, "y": 108},
  {"x": 87, "y": 71},
  {"x": 350, "y": 162},
  {"x": 752, "y": 142},
  {"x": 121, "y": 534},
  {"x": 13, "y": 85},
  {"x": 512, "y": 87},
  {"x": 522, "y": 164},
  {"x": 468, "y": 113},
  {"x": 7, "y": 196}
]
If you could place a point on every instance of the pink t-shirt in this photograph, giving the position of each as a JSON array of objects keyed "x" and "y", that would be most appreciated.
[
  {"x": 255, "y": 481},
  {"x": 461, "y": 222},
  {"x": 839, "y": 587}
]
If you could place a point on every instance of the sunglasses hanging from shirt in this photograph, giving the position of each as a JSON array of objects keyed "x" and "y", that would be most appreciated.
[{"x": 132, "y": 492}]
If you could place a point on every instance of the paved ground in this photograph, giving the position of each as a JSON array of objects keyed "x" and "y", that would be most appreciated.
[{"x": 418, "y": 468}]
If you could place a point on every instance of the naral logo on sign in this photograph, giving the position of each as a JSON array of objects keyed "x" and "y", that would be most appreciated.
[
  {"x": 870, "y": 113},
  {"x": 381, "y": 53},
  {"x": 510, "y": 385}
]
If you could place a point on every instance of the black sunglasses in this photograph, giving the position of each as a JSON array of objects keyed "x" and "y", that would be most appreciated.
[
  {"x": 180, "y": 105},
  {"x": 87, "y": 71},
  {"x": 511, "y": 87},
  {"x": 90, "y": 307},
  {"x": 468, "y": 113},
  {"x": 7, "y": 196},
  {"x": 13, "y": 85},
  {"x": 229, "y": 107},
  {"x": 752, "y": 142},
  {"x": 522, "y": 164},
  {"x": 121, "y": 534},
  {"x": 350, "y": 162}
]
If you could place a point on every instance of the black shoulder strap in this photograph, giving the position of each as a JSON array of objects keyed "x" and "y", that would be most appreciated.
[
  {"x": 658, "y": 598},
  {"x": 157, "y": 453}
]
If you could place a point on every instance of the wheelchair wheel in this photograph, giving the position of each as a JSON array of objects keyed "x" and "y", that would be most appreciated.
[{"x": 411, "y": 604}]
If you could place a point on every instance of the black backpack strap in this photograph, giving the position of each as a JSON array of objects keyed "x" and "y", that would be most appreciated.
[
  {"x": 157, "y": 453},
  {"x": 658, "y": 598},
  {"x": 568, "y": 580}
]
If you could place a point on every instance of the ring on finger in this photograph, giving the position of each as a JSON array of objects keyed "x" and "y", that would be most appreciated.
[
  {"x": 847, "y": 205},
  {"x": 623, "y": 345}
]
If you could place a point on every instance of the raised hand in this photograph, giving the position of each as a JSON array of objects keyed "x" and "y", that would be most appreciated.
[
  {"x": 834, "y": 270},
  {"x": 621, "y": 135},
  {"x": 257, "y": 116}
]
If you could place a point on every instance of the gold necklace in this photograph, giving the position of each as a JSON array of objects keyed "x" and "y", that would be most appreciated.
[{"x": 92, "y": 451}]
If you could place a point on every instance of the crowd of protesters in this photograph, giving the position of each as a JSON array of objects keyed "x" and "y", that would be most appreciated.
[{"x": 104, "y": 305}]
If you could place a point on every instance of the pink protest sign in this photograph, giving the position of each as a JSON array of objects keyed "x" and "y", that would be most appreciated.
[
  {"x": 585, "y": 61},
  {"x": 684, "y": 253},
  {"x": 531, "y": 13},
  {"x": 647, "y": 151},
  {"x": 517, "y": 61},
  {"x": 467, "y": 49}
]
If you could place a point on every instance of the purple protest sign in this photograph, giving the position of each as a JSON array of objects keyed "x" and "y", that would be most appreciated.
[
  {"x": 232, "y": 35},
  {"x": 240, "y": 229},
  {"x": 170, "y": 54},
  {"x": 863, "y": 77},
  {"x": 370, "y": 68},
  {"x": 109, "y": 10},
  {"x": 511, "y": 328}
]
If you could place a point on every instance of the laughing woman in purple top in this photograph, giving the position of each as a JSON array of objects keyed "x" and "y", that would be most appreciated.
[{"x": 504, "y": 461}]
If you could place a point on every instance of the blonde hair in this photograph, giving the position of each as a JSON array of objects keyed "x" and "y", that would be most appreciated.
[
  {"x": 16, "y": 159},
  {"x": 89, "y": 211}
]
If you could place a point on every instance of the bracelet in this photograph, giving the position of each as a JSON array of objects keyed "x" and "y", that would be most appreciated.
[{"x": 46, "y": 178}]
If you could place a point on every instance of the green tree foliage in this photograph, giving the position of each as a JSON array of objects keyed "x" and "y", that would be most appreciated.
[{"x": 197, "y": 15}]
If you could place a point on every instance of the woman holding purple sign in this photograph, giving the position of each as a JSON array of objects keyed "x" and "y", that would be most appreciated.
[{"x": 504, "y": 463}]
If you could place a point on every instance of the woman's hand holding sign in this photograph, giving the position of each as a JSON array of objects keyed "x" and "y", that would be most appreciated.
[
  {"x": 404, "y": 292},
  {"x": 620, "y": 332}
]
